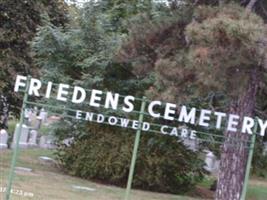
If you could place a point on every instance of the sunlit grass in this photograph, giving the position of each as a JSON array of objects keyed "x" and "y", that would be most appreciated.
[{"x": 49, "y": 182}]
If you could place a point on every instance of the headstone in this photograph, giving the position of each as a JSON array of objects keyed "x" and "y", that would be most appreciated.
[
  {"x": 46, "y": 158},
  {"x": 47, "y": 142},
  {"x": 191, "y": 144},
  {"x": 47, "y": 161},
  {"x": 68, "y": 141},
  {"x": 210, "y": 161},
  {"x": 50, "y": 142},
  {"x": 35, "y": 110},
  {"x": 3, "y": 139},
  {"x": 32, "y": 117},
  {"x": 43, "y": 115},
  {"x": 33, "y": 138},
  {"x": 77, "y": 187},
  {"x": 37, "y": 123},
  {"x": 23, "y": 142},
  {"x": 42, "y": 142},
  {"x": 27, "y": 116},
  {"x": 23, "y": 169}
]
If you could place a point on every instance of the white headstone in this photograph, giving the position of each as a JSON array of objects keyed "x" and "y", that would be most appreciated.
[
  {"x": 210, "y": 161},
  {"x": 26, "y": 116},
  {"x": 32, "y": 116},
  {"x": 23, "y": 141},
  {"x": 35, "y": 109},
  {"x": 42, "y": 142},
  {"x": 33, "y": 138},
  {"x": 47, "y": 142},
  {"x": 43, "y": 115},
  {"x": 191, "y": 144},
  {"x": 77, "y": 187},
  {"x": 50, "y": 142},
  {"x": 46, "y": 159},
  {"x": 68, "y": 141},
  {"x": 37, "y": 123},
  {"x": 27, "y": 113},
  {"x": 3, "y": 139},
  {"x": 23, "y": 169}
]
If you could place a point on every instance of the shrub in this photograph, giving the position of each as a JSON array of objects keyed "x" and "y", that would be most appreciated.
[{"x": 104, "y": 154}]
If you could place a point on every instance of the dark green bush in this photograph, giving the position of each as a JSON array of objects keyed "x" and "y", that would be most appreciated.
[
  {"x": 104, "y": 154},
  {"x": 259, "y": 163}
]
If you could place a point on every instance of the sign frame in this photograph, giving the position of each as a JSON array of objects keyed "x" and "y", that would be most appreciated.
[{"x": 134, "y": 152}]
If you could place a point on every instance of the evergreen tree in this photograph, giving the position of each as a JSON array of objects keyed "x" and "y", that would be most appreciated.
[
  {"x": 85, "y": 53},
  {"x": 215, "y": 49},
  {"x": 186, "y": 52},
  {"x": 19, "y": 21},
  {"x": 227, "y": 52}
]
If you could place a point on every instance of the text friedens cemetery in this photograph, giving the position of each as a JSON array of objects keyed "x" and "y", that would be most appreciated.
[{"x": 172, "y": 112}]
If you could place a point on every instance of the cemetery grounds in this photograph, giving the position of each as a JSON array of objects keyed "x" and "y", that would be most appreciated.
[
  {"x": 47, "y": 181},
  {"x": 37, "y": 178}
]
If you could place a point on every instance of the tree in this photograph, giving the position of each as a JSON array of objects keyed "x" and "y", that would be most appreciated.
[
  {"x": 189, "y": 52},
  {"x": 84, "y": 53},
  {"x": 228, "y": 52},
  {"x": 3, "y": 112},
  {"x": 257, "y": 6},
  {"x": 214, "y": 50},
  {"x": 19, "y": 22}
]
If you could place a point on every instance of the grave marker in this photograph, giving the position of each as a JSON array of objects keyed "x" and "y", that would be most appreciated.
[
  {"x": 23, "y": 139},
  {"x": 3, "y": 139},
  {"x": 33, "y": 138}
]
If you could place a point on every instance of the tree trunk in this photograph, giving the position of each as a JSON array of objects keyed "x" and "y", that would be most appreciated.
[{"x": 234, "y": 159}]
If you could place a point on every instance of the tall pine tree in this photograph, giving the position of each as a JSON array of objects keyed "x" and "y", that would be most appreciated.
[{"x": 218, "y": 49}]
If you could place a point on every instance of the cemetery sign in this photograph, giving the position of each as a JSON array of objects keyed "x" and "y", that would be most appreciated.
[
  {"x": 91, "y": 105},
  {"x": 172, "y": 112}
]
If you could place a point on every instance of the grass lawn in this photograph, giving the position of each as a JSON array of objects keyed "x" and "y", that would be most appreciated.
[
  {"x": 257, "y": 189},
  {"x": 47, "y": 182}
]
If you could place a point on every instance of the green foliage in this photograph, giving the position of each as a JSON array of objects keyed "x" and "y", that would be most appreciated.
[
  {"x": 159, "y": 52},
  {"x": 204, "y": 53},
  {"x": 19, "y": 20},
  {"x": 163, "y": 164},
  {"x": 45, "y": 130},
  {"x": 260, "y": 159},
  {"x": 211, "y": 49},
  {"x": 224, "y": 46},
  {"x": 259, "y": 7},
  {"x": 177, "y": 55},
  {"x": 85, "y": 52}
]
